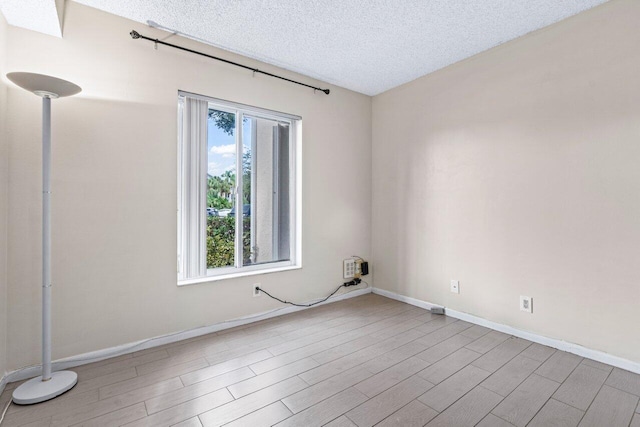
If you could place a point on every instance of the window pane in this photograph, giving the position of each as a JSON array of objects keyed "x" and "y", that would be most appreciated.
[
  {"x": 266, "y": 190},
  {"x": 221, "y": 182}
]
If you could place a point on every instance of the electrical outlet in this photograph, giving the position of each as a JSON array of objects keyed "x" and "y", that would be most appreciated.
[
  {"x": 255, "y": 288},
  {"x": 349, "y": 268},
  {"x": 455, "y": 286},
  {"x": 526, "y": 304}
]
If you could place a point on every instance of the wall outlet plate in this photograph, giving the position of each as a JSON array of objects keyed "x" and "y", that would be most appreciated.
[
  {"x": 526, "y": 304},
  {"x": 255, "y": 291},
  {"x": 349, "y": 268},
  {"x": 455, "y": 286}
]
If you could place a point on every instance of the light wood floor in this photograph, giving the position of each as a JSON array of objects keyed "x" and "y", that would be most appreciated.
[{"x": 363, "y": 361}]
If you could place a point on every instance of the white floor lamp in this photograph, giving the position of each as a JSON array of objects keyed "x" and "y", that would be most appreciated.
[{"x": 48, "y": 385}]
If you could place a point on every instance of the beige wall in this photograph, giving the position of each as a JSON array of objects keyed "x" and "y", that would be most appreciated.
[
  {"x": 114, "y": 187},
  {"x": 4, "y": 198},
  {"x": 517, "y": 173}
]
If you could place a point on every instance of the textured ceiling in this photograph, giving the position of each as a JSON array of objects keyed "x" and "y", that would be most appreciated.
[
  {"x": 37, "y": 15},
  {"x": 368, "y": 46}
]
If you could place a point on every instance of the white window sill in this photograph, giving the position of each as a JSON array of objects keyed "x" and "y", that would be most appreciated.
[{"x": 237, "y": 274}]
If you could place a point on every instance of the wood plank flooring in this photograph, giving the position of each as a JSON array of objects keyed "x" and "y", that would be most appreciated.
[{"x": 359, "y": 362}]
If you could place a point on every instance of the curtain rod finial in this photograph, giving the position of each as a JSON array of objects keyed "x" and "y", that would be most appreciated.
[{"x": 134, "y": 34}]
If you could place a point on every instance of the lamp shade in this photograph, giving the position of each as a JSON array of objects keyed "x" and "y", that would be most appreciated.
[{"x": 42, "y": 85}]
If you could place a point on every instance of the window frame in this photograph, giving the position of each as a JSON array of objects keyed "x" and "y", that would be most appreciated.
[{"x": 295, "y": 190}]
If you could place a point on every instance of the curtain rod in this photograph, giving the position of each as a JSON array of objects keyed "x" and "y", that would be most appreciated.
[{"x": 136, "y": 35}]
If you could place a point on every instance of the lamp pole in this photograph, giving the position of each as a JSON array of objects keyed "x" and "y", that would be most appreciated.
[{"x": 46, "y": 238}]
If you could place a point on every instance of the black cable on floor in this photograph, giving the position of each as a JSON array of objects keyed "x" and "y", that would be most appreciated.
[{"x": 354, "y": 282}]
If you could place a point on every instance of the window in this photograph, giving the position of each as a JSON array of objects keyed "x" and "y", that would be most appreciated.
[{"x": 238, "y": 189}]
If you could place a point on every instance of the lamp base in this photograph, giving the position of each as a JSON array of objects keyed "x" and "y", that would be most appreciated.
[{"x": 35, "y": 390}]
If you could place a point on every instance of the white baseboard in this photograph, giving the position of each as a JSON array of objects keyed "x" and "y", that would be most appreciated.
[
  {"x": 96, "y": 356},
  {"x": 577, "y": 349},
  {"x": 408, "y": 300}
]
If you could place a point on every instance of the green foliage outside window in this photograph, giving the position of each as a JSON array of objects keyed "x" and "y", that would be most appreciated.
[
  {"x": 224, "y": 121},
  {"x": 220, "y": 190},
  {"x": 220, "y": 238}
]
